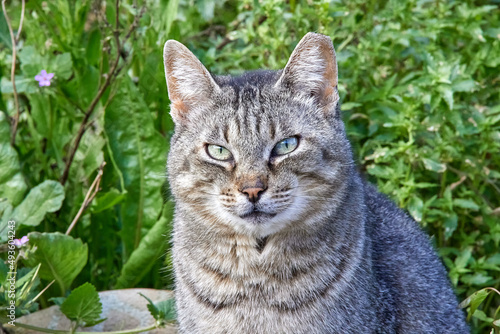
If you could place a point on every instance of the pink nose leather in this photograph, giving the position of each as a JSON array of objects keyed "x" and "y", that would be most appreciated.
[{"x": 253, "y": 193}]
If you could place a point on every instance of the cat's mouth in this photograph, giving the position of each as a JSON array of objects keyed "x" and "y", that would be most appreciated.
[{"x": 257, "y": 216}]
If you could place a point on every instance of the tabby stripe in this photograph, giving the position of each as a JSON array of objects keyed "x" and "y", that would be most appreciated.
[{"x": 204, "y": 300}]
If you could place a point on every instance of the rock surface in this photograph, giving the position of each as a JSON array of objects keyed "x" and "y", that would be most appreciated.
[{"x": 124, "y": 310}]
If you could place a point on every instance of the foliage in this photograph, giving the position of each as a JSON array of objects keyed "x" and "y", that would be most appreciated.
[
  {"x": 419, "y": 85},
  {"x": 164, "y": 311},
  {"x": 83, "y": 306},
  {"x": 61, "y": 256}
]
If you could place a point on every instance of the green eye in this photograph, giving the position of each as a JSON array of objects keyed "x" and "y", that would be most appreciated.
[
  {"x": 219, "y": 153},
  {"x": 286, "y": 146}
]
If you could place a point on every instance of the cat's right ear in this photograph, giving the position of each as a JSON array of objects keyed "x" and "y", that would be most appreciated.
[{"x": 189, "y": 83}]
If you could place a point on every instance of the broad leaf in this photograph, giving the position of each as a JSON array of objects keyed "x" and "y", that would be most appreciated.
[
  {"x": 151, "y": 248},
  {"x": 83, "y": 305},
  {"x": 62, "y": 257},
  {"x": 140, "y": 153},
  {"x": 45, "y": 197},
  {"x": 12, "y": 184},
  {"x": 62, "y": 66}
]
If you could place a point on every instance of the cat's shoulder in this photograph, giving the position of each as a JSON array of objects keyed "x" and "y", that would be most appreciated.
[{"x": 390, "y": 224}]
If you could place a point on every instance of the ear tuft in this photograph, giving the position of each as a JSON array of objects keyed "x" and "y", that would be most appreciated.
[
  {"x": 312, "y": 69},
  {"x": 189, "y": 83}
]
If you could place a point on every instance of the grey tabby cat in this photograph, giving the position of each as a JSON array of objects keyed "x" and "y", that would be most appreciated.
[{"x": 275, "y": 231}]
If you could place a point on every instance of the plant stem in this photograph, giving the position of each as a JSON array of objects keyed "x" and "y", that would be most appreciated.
[
  {"x": 13, "y": 39},
  {"x": 46, "y": 330},
  {"x": 41, "y": 292},
  {"x": 23, "y": 5}
]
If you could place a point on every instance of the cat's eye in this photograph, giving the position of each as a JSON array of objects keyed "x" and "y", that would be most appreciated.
[
  {"x": 286, "y": 146},
  {"x": 219, "y": 152}
]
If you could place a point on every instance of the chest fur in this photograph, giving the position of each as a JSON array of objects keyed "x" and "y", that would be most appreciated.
[{"x": 289, "y": 281}]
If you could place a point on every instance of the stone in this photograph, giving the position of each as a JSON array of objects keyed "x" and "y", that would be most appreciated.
[{"x": 124, "y": 309}]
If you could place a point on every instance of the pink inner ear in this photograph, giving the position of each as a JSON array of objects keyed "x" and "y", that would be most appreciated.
[
  {"x": 179, "y": 106},
  {"x": 189, "y": 83}
]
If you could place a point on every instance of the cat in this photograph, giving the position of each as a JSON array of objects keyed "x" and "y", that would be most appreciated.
[{"x": 275, "y": 231}]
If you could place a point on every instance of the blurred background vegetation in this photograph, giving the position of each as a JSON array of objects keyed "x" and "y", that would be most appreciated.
[{"x": 419, "y": 81}]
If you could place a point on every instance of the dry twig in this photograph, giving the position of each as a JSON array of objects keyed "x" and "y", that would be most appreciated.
[{"x": 91, "y": 193}]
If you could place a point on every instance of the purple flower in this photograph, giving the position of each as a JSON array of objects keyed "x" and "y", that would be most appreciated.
[
  {"x": 44, "y": 78},
  {"x": 23, "y": 240}
]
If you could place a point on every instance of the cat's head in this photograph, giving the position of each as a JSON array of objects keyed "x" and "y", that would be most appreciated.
[{"x": 260, "y": 152}]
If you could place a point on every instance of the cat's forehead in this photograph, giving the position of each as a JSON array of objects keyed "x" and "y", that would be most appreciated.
[
  {"x": 250, "y": 113},
  {"x": 257, "y": 79},
  {"x": 251, "y": 109}
]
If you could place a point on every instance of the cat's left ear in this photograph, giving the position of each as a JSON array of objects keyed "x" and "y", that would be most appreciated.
[
  {"x": 312, "y": 69},
  {"x": 189, "y": 83}
]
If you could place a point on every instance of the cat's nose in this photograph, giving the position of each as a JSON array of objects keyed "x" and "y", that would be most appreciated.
[{"x": 253, "y": 194}]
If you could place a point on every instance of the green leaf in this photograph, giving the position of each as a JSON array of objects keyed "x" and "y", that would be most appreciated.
[
  {"x": 26, "y": 278},
  {"x": 447, "y": 95},
  {"x": 474, "y": 301},
  {"x": 434, "y": 165},
  {"x": 349, "y": 105},
  {"x": 3, "y": 272},
  {"x": 464, "y": 86},
  {"x": 83, "y": 305},
  {"x": 464, "y": 257},
  {"x": 416, "y": 207},
  {"x": 25, "y": 284},
  {"x": 170, "y": 16},
  {"x": 163, "y": 311},
  {"x": 482, "y": 316},
  {"x": 57, "y": 300},
  {"x": 32, "y": 62},
  {"x": 93, "y": 50},
  {"x": 61, "y": 66},
  {"x": 151, "y": 248},
  {"x": 476, "y": 279},
  {"x": 139, "y": 151},
  {"x": 45, "y": 197},
  {"x": 107, "y": 200},
  {"x": 5, "y": 217},
  {"x": 62, "y": 257},
  {"x": 465, "y": 204},
  {"x": 41, "y": 113},
  {"x": 167, "y": 311},
  {"x": 12, "y": 184},
  {"x": 206, "y": 8},
  {"x": 450, "y": 225},
  {"x": 4, "y": 33}
]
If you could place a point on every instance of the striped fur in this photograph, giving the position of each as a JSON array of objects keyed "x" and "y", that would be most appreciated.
[{"x": 328, "y": 254}]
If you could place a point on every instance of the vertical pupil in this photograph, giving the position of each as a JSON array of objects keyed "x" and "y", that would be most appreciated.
[
  {"x": 286, "y": 143},
  {"x": 220, "y": 150}
]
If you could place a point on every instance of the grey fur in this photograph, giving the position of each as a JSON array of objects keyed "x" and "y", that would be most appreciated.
[{"x": 327, "y": 253}]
